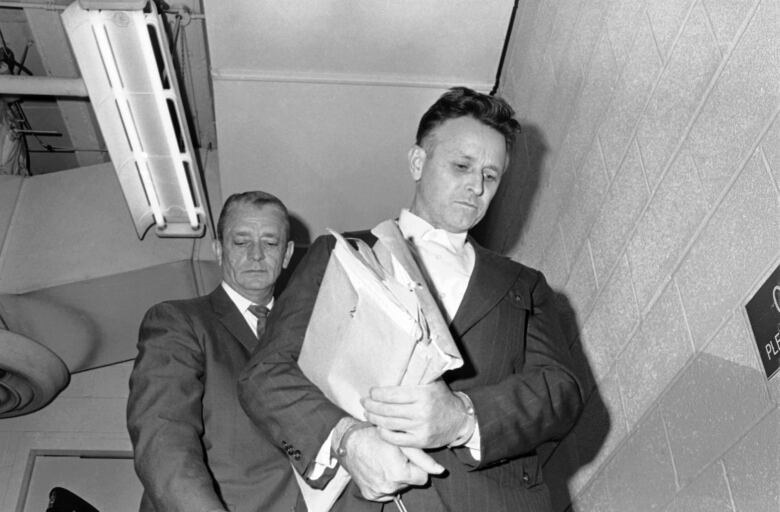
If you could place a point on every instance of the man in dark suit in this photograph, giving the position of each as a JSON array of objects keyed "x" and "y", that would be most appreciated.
[
  {"x": 479, "y": 425},
  {"x": 195, "y": 449}
]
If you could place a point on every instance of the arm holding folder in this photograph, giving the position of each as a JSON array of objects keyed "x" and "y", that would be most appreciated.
[
  {"x": 374, "y": 324},
  {"x": 314, "y": 414}
]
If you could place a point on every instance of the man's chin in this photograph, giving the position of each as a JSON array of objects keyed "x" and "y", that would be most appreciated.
[{"x": 256, "y": 285}]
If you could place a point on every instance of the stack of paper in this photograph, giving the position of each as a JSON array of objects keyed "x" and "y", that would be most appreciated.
[{"x": 375, "y": 323}]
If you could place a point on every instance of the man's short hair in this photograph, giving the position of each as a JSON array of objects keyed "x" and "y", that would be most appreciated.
[
  {"x": 256, "y": 198},
  {"x": 461, "y": 102}
]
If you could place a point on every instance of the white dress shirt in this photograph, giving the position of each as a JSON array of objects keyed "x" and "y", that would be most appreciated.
[
  {"x": 242, "y": 303},
  {"x": 447, "y": 259}
]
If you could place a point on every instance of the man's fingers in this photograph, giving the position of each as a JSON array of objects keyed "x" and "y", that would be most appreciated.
[
  {"x": 390, "y": 422},
  {"x": 398, "y": 438},
  {"x": 394, "y": 394},
  {"x": 375, "y": 496},
  {"x": 388, "y": 409},
  {"x": 423, "y": 461}
]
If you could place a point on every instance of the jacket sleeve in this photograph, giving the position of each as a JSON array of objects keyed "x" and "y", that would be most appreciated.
[
  {"x": 272, "y": 389},
  {"x": 542, "y": 398},
  {"x": 165, "y": 417}
]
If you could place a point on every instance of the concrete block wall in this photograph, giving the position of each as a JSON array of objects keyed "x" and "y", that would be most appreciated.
[{"x": 649, "y": 195}]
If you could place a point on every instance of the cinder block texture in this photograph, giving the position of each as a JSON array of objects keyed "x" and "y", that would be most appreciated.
[
  {"x": 771, "y": 148},
  {"x": 563, "y": 103},
  {"x": 693, "y": 61},
  {"x": 665, "y": 228},
  {"x": 742, "y": 102},
  {"x": 739, "y": 240},
  {"x": 621, "y": 23},
  {"x": 567, "y": 17},
  {"x": 726, "y": 17},
  {"x": 601, "y": 77},
  {"x": 752, "y": 466},
  {"x": 658, "y": 246},
  {"x": 734, "y": 343},
  {"x": 581, "y": 286},
  {"x": 774, "y": 392},
  {"x": 709, "y": 409},
  {"x": 660, "y": 349},
  {"x": 595, "y": 497},
  {"x": 588, "y": 193},
  {"x": 666, "y": 18},
  {"x": 641, "y": 476},
  {"x": 608, "y": 328},
  {"x": 554, "y": 264},
  {"x": 636, "y": 82},
  {"x": 587, "y": 32},
  {"x": 626, "y": 199},
  {"x": 708, "y": 493}
]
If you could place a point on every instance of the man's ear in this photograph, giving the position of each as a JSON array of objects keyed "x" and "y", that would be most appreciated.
[
  {"x": 288, "y": 253},
  {"x": 417, "y": 158},
  {"x": 216, "y": 246}
]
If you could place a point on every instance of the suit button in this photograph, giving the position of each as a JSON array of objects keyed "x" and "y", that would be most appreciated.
[
  {"x": 284, "y": 444},
  {"x": 526, "y": 478},
  {"x": 297, "y": 455}
]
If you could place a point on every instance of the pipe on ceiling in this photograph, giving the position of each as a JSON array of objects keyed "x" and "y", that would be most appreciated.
[{"x": 14, "y": 85}]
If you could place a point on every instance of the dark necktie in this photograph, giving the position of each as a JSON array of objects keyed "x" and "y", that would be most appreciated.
[{"x": 261, "y": 312}]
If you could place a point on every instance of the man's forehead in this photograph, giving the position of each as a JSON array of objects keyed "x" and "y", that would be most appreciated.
[
  {"x": 463, "y": 132},
  {"x": 244, "y": 217}
]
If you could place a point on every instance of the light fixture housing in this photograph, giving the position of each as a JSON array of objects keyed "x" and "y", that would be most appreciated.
[{"x": 124, "y": 57}]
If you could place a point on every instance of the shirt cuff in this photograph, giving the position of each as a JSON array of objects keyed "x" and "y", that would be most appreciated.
[
  {"x": 470, "y": 437},
  {"x": 323, "y": 461},
  {"x": 473, "y": 444}
]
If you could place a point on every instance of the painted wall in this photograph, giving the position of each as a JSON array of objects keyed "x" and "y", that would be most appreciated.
[
  {"x": 74, "y": 225},
  {"x": 88, "y": 417},
  {"x": 646, "y": 188}
]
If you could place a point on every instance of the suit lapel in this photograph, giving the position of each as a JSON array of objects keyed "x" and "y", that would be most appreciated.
[
  {"x": 491, "y": 279},
  {"x": 232, "y": 318}
]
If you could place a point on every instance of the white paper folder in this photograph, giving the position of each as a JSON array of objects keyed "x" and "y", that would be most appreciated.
[{"x": 374, "y": 323}]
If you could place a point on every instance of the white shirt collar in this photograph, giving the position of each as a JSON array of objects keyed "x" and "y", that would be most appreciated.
[
  {"x": 417, "y": 229},
  {"x": 241, "y": 302}
]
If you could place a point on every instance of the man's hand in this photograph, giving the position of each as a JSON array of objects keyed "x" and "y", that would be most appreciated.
[
  {"x": 427, "y": 416},
  {"x": 381, "y": 469}
]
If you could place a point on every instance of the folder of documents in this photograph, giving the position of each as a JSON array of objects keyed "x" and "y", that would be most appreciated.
[{"x": 374, "y": 323}]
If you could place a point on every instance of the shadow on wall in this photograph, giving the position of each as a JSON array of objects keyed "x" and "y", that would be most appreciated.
[
  {"x": 501, "y": 230},
  {"x": 561, "y": 460},
  {"x": 300, "y": 234},
  {"x": 502, "y": 227}
]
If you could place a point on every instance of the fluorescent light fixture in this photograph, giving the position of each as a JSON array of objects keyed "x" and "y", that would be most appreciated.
[{"x": 125, "y": 61}]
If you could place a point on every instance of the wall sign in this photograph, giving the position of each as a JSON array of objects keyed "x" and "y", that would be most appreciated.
[{"x": 763, "y": 312}]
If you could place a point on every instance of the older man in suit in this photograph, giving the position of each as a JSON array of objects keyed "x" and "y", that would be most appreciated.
[
  {"x": 195, "y": 449},
  {"x": 479, "y": 425}
]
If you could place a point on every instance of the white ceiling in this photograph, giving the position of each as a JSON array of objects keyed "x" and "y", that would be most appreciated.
[{"x": 318, "y": 102}]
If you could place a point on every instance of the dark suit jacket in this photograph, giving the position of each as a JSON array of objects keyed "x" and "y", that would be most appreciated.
[
  {"x": 195, "y": 449},
  {"x": 518, "y": 373}
]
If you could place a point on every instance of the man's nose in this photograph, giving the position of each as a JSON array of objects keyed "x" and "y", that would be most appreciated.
[
  {"x": 476, "y": 183},
  {"x": 256, "y": 252}
]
